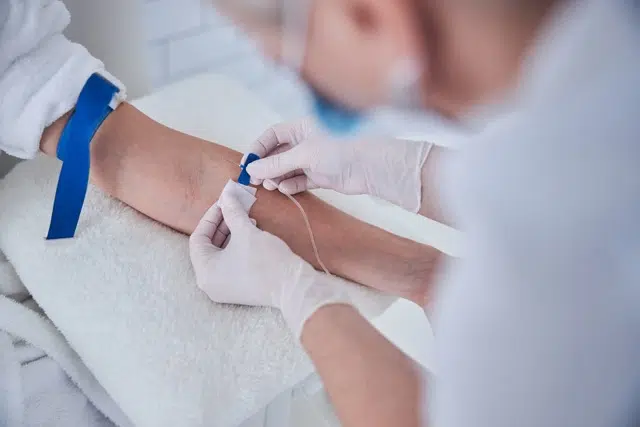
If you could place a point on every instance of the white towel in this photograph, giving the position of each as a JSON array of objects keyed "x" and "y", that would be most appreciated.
[
  {"x": 27, "y": 324},
  {"x": 36, "y": 389},
  {"x": 123, "y": 294},
  {"x": 10, "y": 284}
]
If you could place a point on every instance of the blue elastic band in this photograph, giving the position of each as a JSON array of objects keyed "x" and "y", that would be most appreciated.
[
  {"x": 73, "y": 149},
  {"x": 244, "y": 177}
]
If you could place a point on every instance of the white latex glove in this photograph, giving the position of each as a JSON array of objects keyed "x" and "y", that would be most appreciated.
[
  {"x": 297, "y": 157},
  {"x": 237, "y": 263}
]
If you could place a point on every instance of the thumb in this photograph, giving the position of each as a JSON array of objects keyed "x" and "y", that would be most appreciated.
[
  {"x": 234, "y": 214},
  {"x": 277, "y": 165}
]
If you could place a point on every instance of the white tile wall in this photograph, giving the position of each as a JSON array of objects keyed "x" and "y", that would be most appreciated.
[
  {"x": 165, "y": 18},
  {"x": 186, "y": 37},
  {"x": 158, "y": 57},
  {"x": 206, "y": 47}
]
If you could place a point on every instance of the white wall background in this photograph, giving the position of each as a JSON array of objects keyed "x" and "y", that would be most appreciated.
[
  {"x": 186, "y": 37},
  {"x": 124, "y": 50}
]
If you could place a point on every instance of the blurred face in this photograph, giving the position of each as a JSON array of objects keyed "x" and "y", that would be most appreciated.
[
  {"x": 348, "y": 50},
  {"x": 357, "y": 49},
  {"x": 358, "y": 53}
]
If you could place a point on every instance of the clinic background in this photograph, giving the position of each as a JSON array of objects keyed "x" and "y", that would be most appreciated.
[
  {"x": 149, "y": 44},
  {"x": 186, "y": 37},
  {"x": 178, "y": 39}
]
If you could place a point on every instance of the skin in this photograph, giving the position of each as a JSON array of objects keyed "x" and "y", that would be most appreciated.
[
  {"x": 471, "y": 51},
  {"x": 174, "y": 178},
  {"x": 369, "y": 381}
]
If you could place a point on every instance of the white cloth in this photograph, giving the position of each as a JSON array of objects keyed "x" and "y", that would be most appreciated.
[
  {"x": 38, "y": 392},
  {"x": 41, "y": 72},
  {"x": 539, "y": 323},
  {"x": 36, "y": 387},
  {"x": 10, "y": 284},
  {"x": 124, "y": 295},
  {"x": 41, "y": 76}
]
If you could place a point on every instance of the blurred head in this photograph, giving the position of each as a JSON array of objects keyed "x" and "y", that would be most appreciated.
[{"x": 451, "y": 55}]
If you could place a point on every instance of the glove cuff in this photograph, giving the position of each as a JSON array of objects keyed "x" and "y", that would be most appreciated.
[
  {"x": 402, "y": 184},
  {"x": 303, "y": 298},
  {"x": 425, "y": 149}
]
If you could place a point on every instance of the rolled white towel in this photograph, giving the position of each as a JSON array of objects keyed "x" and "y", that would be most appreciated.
[
  {"x": 10, "y": 284},
  {"x": 123, "y": 294}
]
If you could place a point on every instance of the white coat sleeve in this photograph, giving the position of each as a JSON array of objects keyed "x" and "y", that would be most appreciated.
[
  {"x": 41, "y": 72},
  {"x": 539, "y": 325}
]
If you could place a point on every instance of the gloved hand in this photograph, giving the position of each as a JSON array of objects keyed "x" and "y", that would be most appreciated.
[
  {"x": 237, "y": 263},
  {"x": 297, "y": 157}
]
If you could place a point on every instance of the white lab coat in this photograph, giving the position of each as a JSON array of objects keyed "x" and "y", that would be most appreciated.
[
  {"x": 539, "y": 323},
  {"x": 41, "y": 76}
]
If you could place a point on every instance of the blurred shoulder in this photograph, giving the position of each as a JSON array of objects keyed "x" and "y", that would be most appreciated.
[{"x": 561, "y": 168}]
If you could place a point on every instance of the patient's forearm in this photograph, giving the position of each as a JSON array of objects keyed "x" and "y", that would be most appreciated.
[{"x": 174, "y": 178}]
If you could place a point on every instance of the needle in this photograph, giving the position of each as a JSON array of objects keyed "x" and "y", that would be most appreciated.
[
  {"x": 304, "y": 216},
  {"x": 233, "y": 163}
]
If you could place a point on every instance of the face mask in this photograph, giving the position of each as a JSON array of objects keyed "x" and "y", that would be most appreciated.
[{"x": 335, "y": 119}]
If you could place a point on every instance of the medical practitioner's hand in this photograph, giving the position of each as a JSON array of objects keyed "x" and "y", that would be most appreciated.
[
  {"x": 237, "y": 263},
  {"x": 298, "y": 157}
]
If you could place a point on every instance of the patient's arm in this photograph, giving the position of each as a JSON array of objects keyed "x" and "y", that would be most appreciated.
[{"x": 173, "y": 178}]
